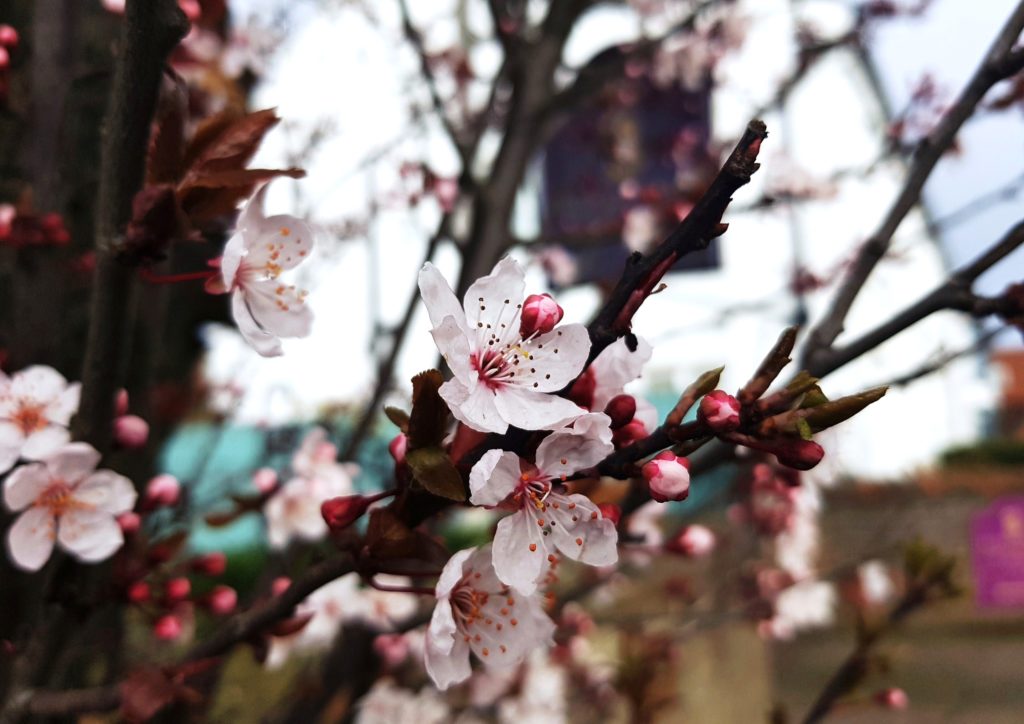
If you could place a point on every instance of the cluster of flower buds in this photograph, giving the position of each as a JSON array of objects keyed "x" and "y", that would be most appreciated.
[
  {"x": 668, "y": 477},
  {"x": 131, "y": 432},
  {"x": 18, "y": 229},
  {"x": 770, "y": 504}
]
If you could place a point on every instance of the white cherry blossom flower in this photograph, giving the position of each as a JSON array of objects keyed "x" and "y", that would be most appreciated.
[
  {"x": 545, "y": 520},
  {"x": 615, "y": 368},
  {"x": 64, "y": 499},
  {"x": 36, "y": 405},
  {"x": 477, "y": 612},
  {"x": 294, "y": 510},
  {"x": 502, "y": 377},
  {"x": 387, "y": 703},
  {"x": 262, "y": 248}
]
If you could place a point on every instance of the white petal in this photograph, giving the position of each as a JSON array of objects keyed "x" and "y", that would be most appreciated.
[
  {"x": 45, "y": 442},
  {"x": 555, "y": 359},
  {"x": 587, "y": 443},
  {"x": 476, "y": 409},
  {"x": 534, "y": 410},
  {"x": 73, "y": 462},
  {"x": 646, "y": 413},
  {"x": 514, "y": 563},
  {"x": 447, "y": 668},
  {"x": 441, "y": 631},
  {"x": 590, "y": 538},
  {"x": 453, "y": 345},
  {"x": 91, "y": 535},
  {"x": 30, "y": 539},
  {"x": 25, "y": 485},
  {"x": 494, "y": 477},
  {"x": 9, "y": 455},
  {"x": 279, "y": 243},
  {"x": 266, "y": 344},
  {"x": 502, "y": 292},
  {"x": 39, "y": 383},
  {"x": 452, "y": 572},
  {"x": 231, "y": 259},
  {"x": 439, "y": 298},
  {"x": 616, "y": 367},
  {"x": 11, "y": 442},
  {"x": 279, "y": 309},
  {"x": 66, "y": 405},
  {"x": 107, "y": 491}
]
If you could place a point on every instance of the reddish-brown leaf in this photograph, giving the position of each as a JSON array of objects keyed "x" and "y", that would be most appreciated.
[
  {"x": 231, "y": 146},
  {"x": 144, "y": 693}
]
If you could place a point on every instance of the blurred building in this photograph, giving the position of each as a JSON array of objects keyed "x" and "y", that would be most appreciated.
[{"x": 1010, "y": 415}]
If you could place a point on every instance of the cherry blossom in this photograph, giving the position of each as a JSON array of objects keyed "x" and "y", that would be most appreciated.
[
  {"x": 262, "y": 248},
  {"x": 615, "y": 368},
  {"x": 36, "y": 405},
  {"x": 545, "y": 520},
  {"x": 387, "y": 703},
  {"x": 64, "y": 499},
  {"x": 477, "y": 612},
  {"x": 501, "y": 378},
  {"x": 294, "y": 510},
  {"x": 329, "y": 607}
]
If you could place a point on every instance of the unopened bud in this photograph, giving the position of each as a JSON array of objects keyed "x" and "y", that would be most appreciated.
[
  {"x": 582, "y": 390},
  {"x": 222, "y": 600},
  {"x": 5, "y": 58},
  {"x": 138, "y": 592},
  {"x": 621, "y": 410},
  {"x": 167, "y": 628},
  {"x": 340, "y": 513},
  {"x": 692, "y": 541},
  {"x": 163, "y": 491},
  {"x": 629, "y": 433},
  {"x": 265, "y": 480},
  {"x": 280, "y": 585},
  {"x": 893, "y": 699},
  {"x": 121, "y": 402},
  {"x": 178, "y": 589},
  {"x": 398, "y": 446},
  {"x": 540, "y": 315},
  {"x": 8, "y": 37},
  {"x": 131, "y": 431},
  {"x": 799, "y": 454},
  {"x": 720, "y": 411},
  {"x": 610, "y": 512},
  {"x": 668, "y": 477},
  {"x": 129, "y": 522},
  {"x": 392, "y": 649},
  {"x": 211, "y": 564}
]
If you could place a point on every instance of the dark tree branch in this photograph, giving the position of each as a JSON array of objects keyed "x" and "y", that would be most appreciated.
[
  {"x": 999, "y": 63},
  {"x": 151, "y": 30}
]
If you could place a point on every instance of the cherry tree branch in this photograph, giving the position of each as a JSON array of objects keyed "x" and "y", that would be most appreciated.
[{"x": 1000, "y": 62}]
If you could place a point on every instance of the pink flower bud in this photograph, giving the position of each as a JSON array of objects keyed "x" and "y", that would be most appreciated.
[
  {"x": 398, "y": 447},
  {"x": 621, "y": 410},
  {"x": 611, "y": 512},
  {"x": 163, "y": 490},
  {"x": 167, "y": 628},
  {"x": 265, "y": 480},
  {"x": 629, "y": 433},
  {"x": 129, "y": 522},
  {"x": 720, "y": 411},
  {"x": 692, "y": 541},
  {"x": 668, "y": 477},
  {"x": 582, "y": 390},
  {"x": 8, "y": 37},
  {"x": 5, "y": 58},
  {"x": 178, "y": 589},
  {"x": 392, "y": 649},
  {"x": 893, "y": 699},
  {"x": 222, "y": 600},
  {"x": 131, "y": 431},
  {"x": 138, "y": 592},
  {"x": 799, "y": 454},
  {"x": 121, "y": 402},
  {"x": 280, "y": 585},
  {"x": 191, "y": 8},
  {"x": 540, "y": 315},
  {"x": 211, "y": 564},
  {"x": 340, "y": 513}
]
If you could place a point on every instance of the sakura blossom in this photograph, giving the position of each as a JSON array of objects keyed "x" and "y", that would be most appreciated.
[
  {"x": 262, "y": 248},
  {"x": 64, "y": 499},
  {"x": 293, "y": 512},
  {"x": 616, "y": 367},
  {"x": 476, "y": 612},
  {"x": 36, "y": 405},
  {"x": 503, "y": 372},
  {"x": 387, "y": 703},
  {"x": 545, "y": 521},
  {"x": 329, "y": 608}
]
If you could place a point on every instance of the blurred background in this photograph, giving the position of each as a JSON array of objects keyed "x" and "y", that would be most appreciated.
[{"x": 426, "y": 134}]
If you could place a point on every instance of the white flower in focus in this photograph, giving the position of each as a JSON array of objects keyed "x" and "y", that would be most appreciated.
[
  {"x": 65, "y": 499},
  {"x": 477, "y": 612},
  {"x": 36, "y": 405},
  {"x": 294, "y": 510},
  {"x": 615, "y": 368},
  {"x": 544, "y": 520},
  {"x": 329, "y": 606},
  {"x": 387, "y": 703},
  {"x": 266, "y": 309},
  {"x": 503, "y": 371}
]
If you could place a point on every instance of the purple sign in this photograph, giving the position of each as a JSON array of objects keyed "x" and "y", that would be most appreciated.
[{"x": 997, "y": 554}]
